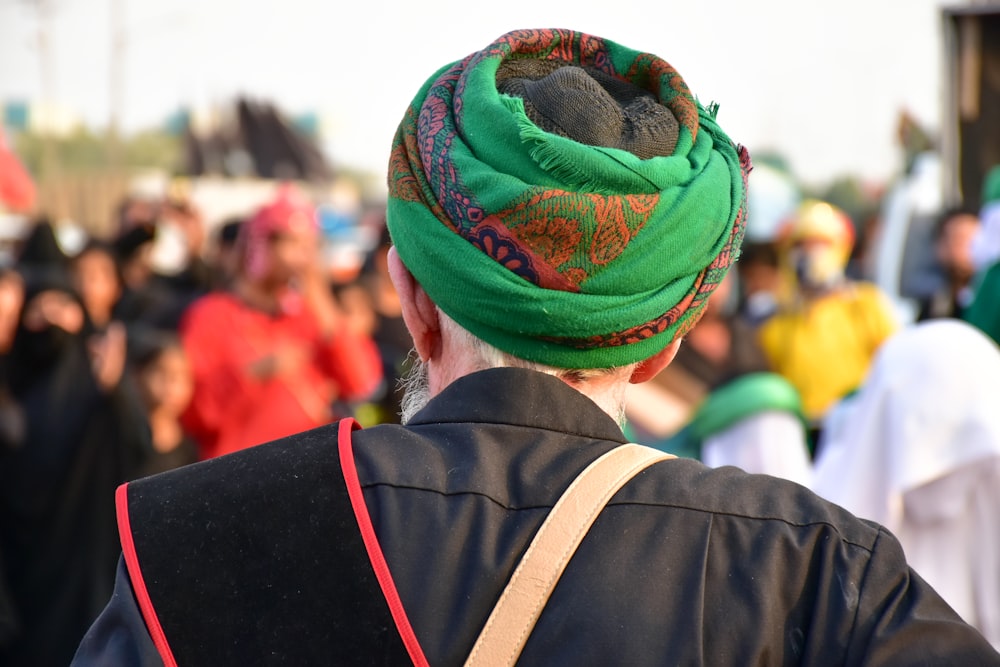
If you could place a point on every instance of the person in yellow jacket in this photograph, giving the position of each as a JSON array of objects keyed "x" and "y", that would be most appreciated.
[{"x": 824, "y": 335}]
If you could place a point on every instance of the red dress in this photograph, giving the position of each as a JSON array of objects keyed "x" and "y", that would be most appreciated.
[{"x": 231, "y": 408}]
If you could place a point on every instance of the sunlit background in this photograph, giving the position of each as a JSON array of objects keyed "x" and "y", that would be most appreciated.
[
  {"x": 106, "y": 97},
  {"x": 821, "y": 83}
]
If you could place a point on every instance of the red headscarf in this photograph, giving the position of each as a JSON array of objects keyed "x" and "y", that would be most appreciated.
[{"x": 289, "y": 211}]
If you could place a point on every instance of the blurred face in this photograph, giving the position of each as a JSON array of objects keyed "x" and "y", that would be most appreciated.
[
  {"x": 139, "y": 211},
  {"x": 96, "y": 278},
  {"x": 228, "y": 259},
  {"x": 357, "y": 305},
  {"x": 53, "y": 308},
  {"x": 955, "y": 244},
  {"x": 291, "y": 254},
  {"x": 818, "y": 265},
  {"x": 719, "y": 299},
  {"x": 11, "y": 300},
  {"x": 138, "y": 269},
  {"x": 167, "y": 383},
  {"x": 755, "y": 278}
]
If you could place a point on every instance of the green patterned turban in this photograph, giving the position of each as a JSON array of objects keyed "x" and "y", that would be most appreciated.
[{"x": 566, "y": 199}]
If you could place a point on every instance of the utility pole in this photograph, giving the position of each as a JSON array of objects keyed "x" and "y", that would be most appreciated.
[
  {"x": 50, "y": 176},
  {"x": 116, "y": 87}
]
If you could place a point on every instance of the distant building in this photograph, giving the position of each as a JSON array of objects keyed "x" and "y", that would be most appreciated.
[{"x": 255, "y": 141}]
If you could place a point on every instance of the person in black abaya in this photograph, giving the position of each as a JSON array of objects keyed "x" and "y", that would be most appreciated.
[
  {"x": 83, "y": 435},
  {"x": 156, "y": 292}
]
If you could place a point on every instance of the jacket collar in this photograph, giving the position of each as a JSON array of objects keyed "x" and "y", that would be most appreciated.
[{"x": 519, "y": 397}]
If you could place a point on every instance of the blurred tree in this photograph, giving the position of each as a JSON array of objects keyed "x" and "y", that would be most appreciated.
[
  {"x": 85, "y": 150},
  {"x": 153, "y": 148}
]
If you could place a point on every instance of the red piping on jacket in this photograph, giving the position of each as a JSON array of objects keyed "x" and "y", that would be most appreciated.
[
  {"x": 138, "y": 583},
  {"x": 375, "y": 554}
]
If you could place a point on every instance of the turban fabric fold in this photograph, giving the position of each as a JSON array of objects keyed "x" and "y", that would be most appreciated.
[{"x": 557, "y": 251}]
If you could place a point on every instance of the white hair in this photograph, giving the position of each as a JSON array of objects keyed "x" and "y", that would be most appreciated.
[{"x": 416, "y": 392}]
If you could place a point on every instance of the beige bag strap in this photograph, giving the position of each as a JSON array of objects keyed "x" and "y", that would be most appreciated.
[{"x": 522, "y": 601}]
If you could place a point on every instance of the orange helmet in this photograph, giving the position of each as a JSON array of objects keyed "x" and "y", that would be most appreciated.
[
  {"x": 817, "y": 269},
  {"x": 820, "y": 221}
]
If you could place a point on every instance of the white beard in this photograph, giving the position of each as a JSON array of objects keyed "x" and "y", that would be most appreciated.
[
  {"x": 417, "y": 394},
  {"x": 416, "y": 389}
]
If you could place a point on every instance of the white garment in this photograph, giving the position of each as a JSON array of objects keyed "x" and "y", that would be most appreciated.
[
  {"x": 957, "y": 510},
  {"x": 918, "y": 194},
  {"x": 918, "y": 451},
  {"x": 771, "y": 443}
]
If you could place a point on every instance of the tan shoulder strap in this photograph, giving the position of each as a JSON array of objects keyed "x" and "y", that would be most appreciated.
[{"x": 521, "y": 603}]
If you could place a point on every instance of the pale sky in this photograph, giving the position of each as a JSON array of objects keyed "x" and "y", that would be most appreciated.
[{"x": 820, "y": 82}]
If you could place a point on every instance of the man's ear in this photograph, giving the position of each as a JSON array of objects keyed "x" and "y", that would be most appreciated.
[
  {"x": 419, "y": 312},
  {"x": 651, "y": 367}
]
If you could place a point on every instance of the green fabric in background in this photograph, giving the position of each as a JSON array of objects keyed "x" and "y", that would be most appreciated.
[
  {"x": 744, "y": 396},
  {"x": 991, "y": 185},
  {"x": 729, "y": 404},
  {"x": 984, "y": 311}
]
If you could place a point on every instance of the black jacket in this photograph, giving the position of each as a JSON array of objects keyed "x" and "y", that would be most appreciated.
[{"x": 245, "y": 558}]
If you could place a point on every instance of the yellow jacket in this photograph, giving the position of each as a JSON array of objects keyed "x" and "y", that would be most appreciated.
[{"x": 824, "y": 347}]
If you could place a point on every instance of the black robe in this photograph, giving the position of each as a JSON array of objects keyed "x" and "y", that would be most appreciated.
[
  {"x": 686, "y": 565},
  {"x": 58, "y": 538}
]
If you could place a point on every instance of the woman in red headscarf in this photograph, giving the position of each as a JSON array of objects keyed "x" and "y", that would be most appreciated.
[{"x": 271, "y": 355}]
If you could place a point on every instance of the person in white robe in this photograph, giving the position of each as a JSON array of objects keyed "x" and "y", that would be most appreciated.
[
  {"x": 772, "y": 442},
  {"x": 917, "y": 449},
  {"x": 754, "y": 422}
]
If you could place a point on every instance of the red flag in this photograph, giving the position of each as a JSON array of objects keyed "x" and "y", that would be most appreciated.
[{"x": 17, "y": 190}]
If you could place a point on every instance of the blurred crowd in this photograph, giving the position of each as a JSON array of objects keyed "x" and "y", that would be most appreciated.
[
  {"x": 111, "y": 369},
  {"x": 806, "y": 369},
  {"x": 801, "y": 367}
]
